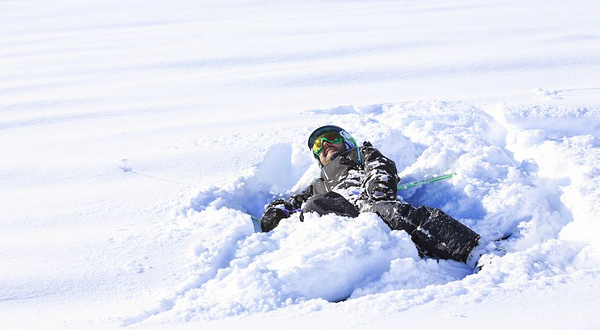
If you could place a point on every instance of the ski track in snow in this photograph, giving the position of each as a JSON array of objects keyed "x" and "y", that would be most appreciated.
[{"x": 511, "y": 180}]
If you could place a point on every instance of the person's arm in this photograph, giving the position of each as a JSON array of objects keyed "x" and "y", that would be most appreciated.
[
  {"x": 280, "y": 209},
  {"x": 381, "y": 176}
]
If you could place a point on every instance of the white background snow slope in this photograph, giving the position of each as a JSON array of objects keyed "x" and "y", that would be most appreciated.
[{"x": 137, "y": 138}]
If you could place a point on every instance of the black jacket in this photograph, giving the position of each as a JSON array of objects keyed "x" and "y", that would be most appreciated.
[{"x": 362, "y": 175}]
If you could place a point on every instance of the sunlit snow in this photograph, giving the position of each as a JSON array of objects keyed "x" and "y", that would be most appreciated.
[{"x": 140, "y": 139}]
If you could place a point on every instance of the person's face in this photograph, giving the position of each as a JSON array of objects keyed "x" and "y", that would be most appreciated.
[{"x": 330, "y": 150}]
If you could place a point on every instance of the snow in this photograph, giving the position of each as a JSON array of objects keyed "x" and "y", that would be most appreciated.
[{"x": 139, "y": 138}]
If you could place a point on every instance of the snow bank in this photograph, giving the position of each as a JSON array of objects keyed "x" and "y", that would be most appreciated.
[
  {"x": 564, "y": 145},
  {"x": 509, "y": 183}
]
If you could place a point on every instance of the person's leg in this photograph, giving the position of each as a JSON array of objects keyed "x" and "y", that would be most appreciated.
[
  {"x": 330, "y": 202},
  {"x": 435, "y": 233}
]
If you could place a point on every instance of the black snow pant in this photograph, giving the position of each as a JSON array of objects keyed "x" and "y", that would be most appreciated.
[{"x": 435, "y": 233}]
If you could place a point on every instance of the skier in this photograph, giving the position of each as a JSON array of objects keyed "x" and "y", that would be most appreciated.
[{"x": 360, "y": 179}]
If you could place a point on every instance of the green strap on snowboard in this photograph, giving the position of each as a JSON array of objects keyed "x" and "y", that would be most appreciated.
[{"x": 421, "y": 182}]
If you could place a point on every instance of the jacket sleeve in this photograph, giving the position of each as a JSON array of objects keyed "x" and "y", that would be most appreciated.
[
  {"x": 381, "y": 176},
  {"x": 297, "y": 200}
]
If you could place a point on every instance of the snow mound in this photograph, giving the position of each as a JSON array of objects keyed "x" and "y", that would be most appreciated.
[{"x": 509, "y": 184}]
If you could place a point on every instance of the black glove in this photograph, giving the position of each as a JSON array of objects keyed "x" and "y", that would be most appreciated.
[
  {"x": 276, "y": 211},
  {"x": 271, "y": 219}
]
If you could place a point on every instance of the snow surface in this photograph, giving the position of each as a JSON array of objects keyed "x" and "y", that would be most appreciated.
[{"x": 138, "y": 138}]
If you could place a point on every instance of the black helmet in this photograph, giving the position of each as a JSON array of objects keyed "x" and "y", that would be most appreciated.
[{"x": 349, "y": 142}]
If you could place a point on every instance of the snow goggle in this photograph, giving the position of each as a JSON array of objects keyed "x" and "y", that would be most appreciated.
[{"x": 330, "y": 137}]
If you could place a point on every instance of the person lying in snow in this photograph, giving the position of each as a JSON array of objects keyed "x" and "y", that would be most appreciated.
[{"x": 360, "y": 179}]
